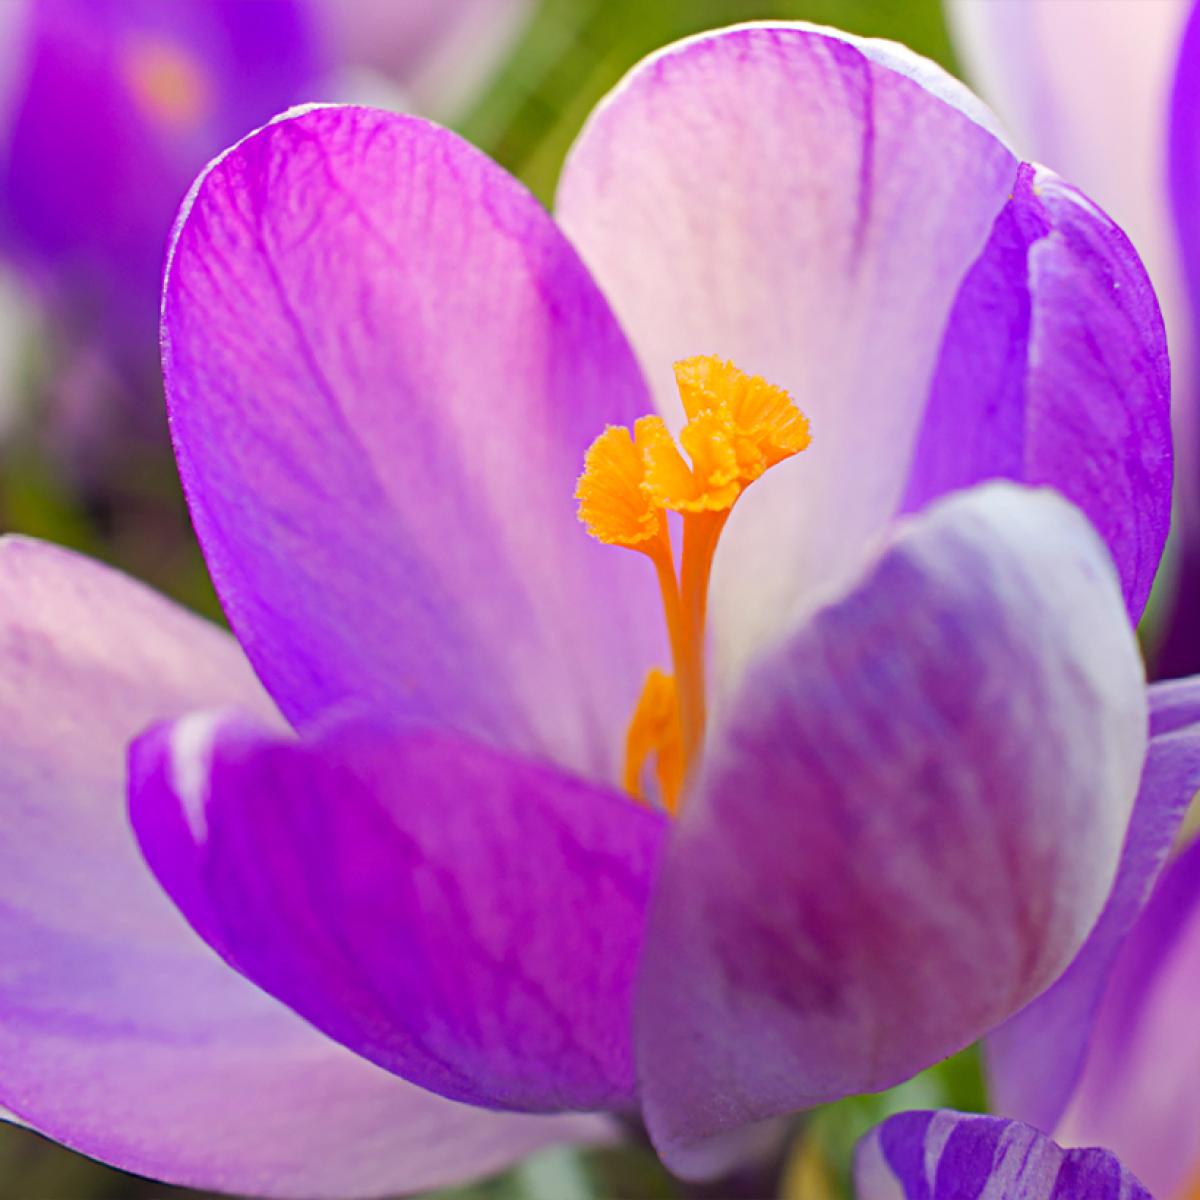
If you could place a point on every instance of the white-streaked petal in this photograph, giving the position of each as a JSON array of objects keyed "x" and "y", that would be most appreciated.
[
  {"x": 788, "y": 198},
  {"x": 905, "y": 827}
]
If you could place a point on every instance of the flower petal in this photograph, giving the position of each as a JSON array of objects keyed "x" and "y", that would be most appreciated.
[
  {"x": 1054, "y": 371},
  {"x": 468, "y": 920},
  {"x": 384, "y": 365},
  {"x": 806, "y": 204},
  {"x": 121, "y": 1033},
  {"x": 948, "y": 1156},
  {"x": 1138, "y": 1088},
  {"x": 905, "y": 827},
  {"x": 1034, "y": 1059}
]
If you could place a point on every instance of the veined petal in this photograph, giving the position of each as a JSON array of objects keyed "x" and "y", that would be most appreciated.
[
  {"x": 805, "y": 204},
  {"x": 949, "y": 1156},
  {"x": 466, "y": 919},
  {"x": 121, "y": 1033},
  {"x": 1138, "y": 1088},
  {"x": 1054, "y": 371},
  {"x": 1034, "y": 1060},
  {"x": 905, "y": 826},
  {"x": 384, "y": 366}
]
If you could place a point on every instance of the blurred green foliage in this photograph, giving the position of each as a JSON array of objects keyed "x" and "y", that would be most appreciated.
[{"x": 572, "y": 53}]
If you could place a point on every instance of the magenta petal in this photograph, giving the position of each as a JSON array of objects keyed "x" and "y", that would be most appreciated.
[
  {"x": 466, "y": 919},
  {"x": 384, "y": 365},
  {"x": 1034, "y": 1059},
  {"x": 905, "y": 827},
  {"x": 121, "y": 1033},
  {"x": 967, "y": 1156},
  {"x": 1054, "y": 371}
]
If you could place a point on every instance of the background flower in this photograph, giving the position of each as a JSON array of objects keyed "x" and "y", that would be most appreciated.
[
  {"x": 1137, "y": 1091},
  {"x": 1106, "y": 1055},
  {"x": 940, "y": 1155}
]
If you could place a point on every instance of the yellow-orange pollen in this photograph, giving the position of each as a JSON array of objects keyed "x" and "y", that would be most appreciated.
[{"x": 738, "y": 426}]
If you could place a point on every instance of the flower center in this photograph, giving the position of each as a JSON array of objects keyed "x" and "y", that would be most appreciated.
[
  {"x": 168, "y": 81},
  {"x": 738, "y": 426}
]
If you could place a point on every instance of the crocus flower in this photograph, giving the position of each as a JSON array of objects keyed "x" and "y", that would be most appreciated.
[
  {"x": 560, "y": 824},
  {"x": 1107, "y": 93},
  {"x": 947, "y": 1155},
  {"x": 112, "y": 106}
]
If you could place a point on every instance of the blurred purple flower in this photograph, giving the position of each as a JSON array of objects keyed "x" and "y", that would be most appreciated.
[
  {"x": 1138, "y": 1087},
  {"x": 949, "y": 1156},
  {"x": 385, "y": 365},
  {"x": 1109, "y": 1054},
  {"x": 113, "y": 106},
  {"x": 1108, "y": 92}
]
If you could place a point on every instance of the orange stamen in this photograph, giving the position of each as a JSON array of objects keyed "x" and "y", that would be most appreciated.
[
  {"x": 654, "y": 730},
  {"x": 738, "y": 426}
]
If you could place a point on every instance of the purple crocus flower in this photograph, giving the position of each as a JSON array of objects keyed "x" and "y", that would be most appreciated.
[
  {"x": 1109, "y": 93},
  {"x": 948, "y": 1155},
  {"x": 901, "y": 731},
  {"x": 112, "y": 106}
]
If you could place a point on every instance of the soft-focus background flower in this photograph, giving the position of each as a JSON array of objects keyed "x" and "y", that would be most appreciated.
[{"x": 83, "y": 449}]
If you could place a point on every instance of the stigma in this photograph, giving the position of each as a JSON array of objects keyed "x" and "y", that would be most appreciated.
[{"x": 738, "y": 426}]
